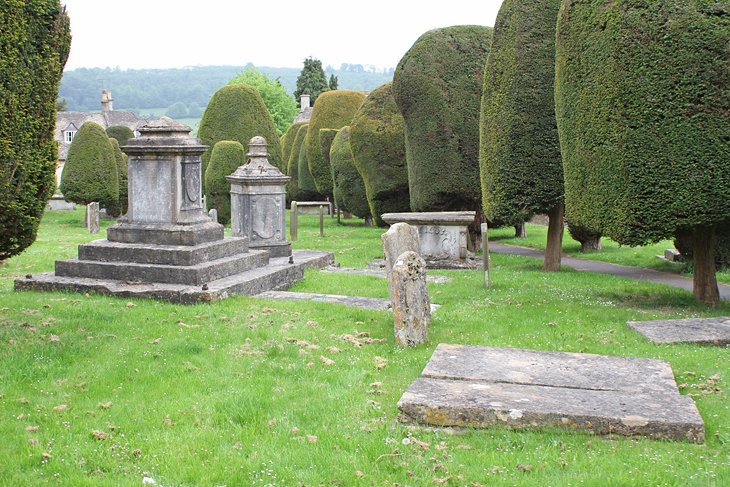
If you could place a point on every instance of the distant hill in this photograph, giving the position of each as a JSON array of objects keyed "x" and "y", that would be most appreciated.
[{"x": 135, "y": 89}]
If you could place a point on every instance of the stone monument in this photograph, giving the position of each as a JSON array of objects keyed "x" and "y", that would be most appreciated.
[
  {"x": 258, "y": 201},
  {"x": 409, "y": 296}
]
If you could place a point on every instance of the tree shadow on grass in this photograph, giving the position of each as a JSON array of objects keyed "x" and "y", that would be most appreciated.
[{"x": 660, "y": 300}]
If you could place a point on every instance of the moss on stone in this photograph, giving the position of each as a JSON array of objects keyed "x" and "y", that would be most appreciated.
[{"x": 349, "y": 187}]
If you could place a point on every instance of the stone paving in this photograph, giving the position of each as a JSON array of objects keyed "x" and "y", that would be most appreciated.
[{"x": 701, "y": 331}]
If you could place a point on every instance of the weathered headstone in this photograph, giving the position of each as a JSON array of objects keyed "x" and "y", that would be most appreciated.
[
  {"x": 409, "y": 296},
  {"x": 213, "y": 214},
  {"x": 399, "y": 238},
  {"x": 92, "y": 217},
  {"x": 293, "y": 221}
]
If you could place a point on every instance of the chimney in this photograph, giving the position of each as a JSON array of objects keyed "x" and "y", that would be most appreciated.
[
  {"x": 106, "y": 101},
  {"x": 304, "y": 102}
]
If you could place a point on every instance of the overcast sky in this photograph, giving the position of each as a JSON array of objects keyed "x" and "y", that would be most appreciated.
[{"x": 279, "y": 33}]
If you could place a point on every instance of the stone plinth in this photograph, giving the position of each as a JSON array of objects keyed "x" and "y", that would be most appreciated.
[
  {"x": 701, "y": 331},
  {"x": 258, "y": 202},
  {"x": 443, "y": 236},
  {"x": 479, "y": 387}
]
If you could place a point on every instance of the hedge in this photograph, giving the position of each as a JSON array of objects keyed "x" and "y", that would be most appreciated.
[
  {"x": 121, "y": 161},
  {"x": 90, "y": 173},
  {"x": 307, "y": 190},
  {"x": 121, "y": 133},
  {"x": 333, "y": 109},
  {"x": 348, "y": 184},
  {"x": 437, "y": 86},
  {"x": 326, "y": 137},
  {"x": 292, "y": 187},
  {"x": 35, "y": 44},
  {"x": 287, "y": 142},
  {"x": 237, "y": 112},
  {"x": 379, "y": 153},
  {"x": 225, "y": 157}
]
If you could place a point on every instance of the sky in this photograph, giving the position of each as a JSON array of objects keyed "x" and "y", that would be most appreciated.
[{"x": 277, "y": 33}]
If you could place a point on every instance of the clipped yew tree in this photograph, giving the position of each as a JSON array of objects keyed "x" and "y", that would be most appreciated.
[
  {"x": 121, "y": 133},
  {"x": 520, "y": 162},
  {"x": 349, "y": 186},
  {"x": 379, "y": 153},
  {"x": 237, "y": 112},
  {"x": 332, "y": 110},
  {"x": 34, "y": 45},
  {"x": 121, "y": 161},
  {"x": 90, "y": 173},
  {"x": 225, "y": 157},
  {"x": 642, "y": 108},
  {"x": 287, "y": 142},
  {"x": 326, "y": 137},
  {"x": 307, "y": 189},
  {"x": 292, "y": 187},
  {"x": 437, "y": 86}
]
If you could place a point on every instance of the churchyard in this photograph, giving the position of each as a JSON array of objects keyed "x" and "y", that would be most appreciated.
[{"x": 247, "y": 391}]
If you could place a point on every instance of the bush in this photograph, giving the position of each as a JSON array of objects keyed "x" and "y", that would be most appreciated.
[
  {"x": 121, "y": 133},
  {"x": 280, "y": 105},
  {"x": 287, "y": 142},
  {"x": 225, "y": 158},
  {"x": 35, "y": 44},
  {"x": 121, "y": 161},
  {"x": 332, "y": 110},
  {"x": 437, "y": 86},
  {"x": 641, "y": 104},
  {"x": 292, "y": 187},
  {"x": 307, "y": 189},
  {"x": 379, "y": 153},
  {"x": 237, "y": 112},
  {"x": 326, "y": 136},
  {"x": 177, "y": 110},
  {"x": 348, "y": 185},
  {"x": 90, "y": 173}
]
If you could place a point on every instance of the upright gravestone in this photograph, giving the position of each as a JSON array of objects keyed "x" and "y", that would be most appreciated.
[
  {"x": 409, "y": 297},
  {"x": 92, "y": 217},
  {"x": 258, "y": 201},
  {"x": 400, "y": 237}
]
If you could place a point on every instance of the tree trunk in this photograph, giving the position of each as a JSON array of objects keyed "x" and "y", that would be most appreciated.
[
  {"x": 705, "y": 281},
  {"x": 590, "y": 245},
  {"x": 521, "y": 231},
  {"x": 554, "y": 246}
]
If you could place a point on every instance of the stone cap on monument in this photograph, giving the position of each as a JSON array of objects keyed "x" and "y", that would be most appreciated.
[
  {"x": 258, "y": 168},
  {"x": 164, "y": 133}
]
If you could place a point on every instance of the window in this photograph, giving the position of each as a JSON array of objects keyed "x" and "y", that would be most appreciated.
[{"x": 68, "y": 136}]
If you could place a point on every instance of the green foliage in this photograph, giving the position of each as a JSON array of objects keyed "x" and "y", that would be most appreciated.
[
  {"x": 437, "y": 87},
  {"x": 34, "y": 45},
  {"x": 642, "y": 103},
  {"x": 121, "y": 161},
  {"x": 237, "y": 112},
  {"x": 326, "y": 136},
  {"x": 62, "y": 105},
  {"x": 349, "y": 187},
  {"x": 280, "y": 105},
  {"x": 333, "y": 110},
  {"x": 287, "y": 143},
  {"x": 121, "y": 133},
  {"x": 521, "y": 167},
  {"x": 683, "y": 243},
  {"x": 307, "y": 188},
  {"x": 311, "y": 80},
  {"x": 194, "y": 110},
  {"x": 225, "y": 157},
  {"x": 333, "y": 82},
  {"x": 177, "y": 110},
  {"x": 90, "y": 173},
  {"x": 292, "y": 187},
  {"x": 379, "y": 152}
]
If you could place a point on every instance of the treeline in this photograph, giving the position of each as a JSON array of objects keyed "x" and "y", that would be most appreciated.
[{"x": 155, "y": 88}]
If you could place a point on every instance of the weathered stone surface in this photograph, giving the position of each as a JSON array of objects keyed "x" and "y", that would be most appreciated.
[
  {"x": 312, "y": 207},
  {"x": 354, "y": 301},
  {"x": 703, "y": 331},
  {"x": 165, "y": 234},
  {"x": 672, "y": 255},
  {"x": 454, "y": 218},
  {"x": 409, "y": 296},
  {"x": 92, "y": 217},
  {"x": 482, "y": 386},
  {"x": 213, "y": 214},
  {"x": 399, "y": 238},
  {"x": 380, "y": 273},
  {"x": 57, "y": 203}
]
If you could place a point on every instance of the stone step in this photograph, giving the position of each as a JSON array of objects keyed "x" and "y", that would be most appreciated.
[
  {"x": 171, "y": 274},
  {"x": 177, "y": 255},
  {"x": 278, "y": 274}
]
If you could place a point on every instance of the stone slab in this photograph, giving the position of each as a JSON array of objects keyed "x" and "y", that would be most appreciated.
[
  {"x": 701, "y": 331},
  {"x": 166, "y": 234},
  {"x": 445, "y": 218},
  {"x": 354, "y": 301},
  {"x": 469, "y": 263},
  {"x": 278, "y": 274},
  {"x": 379, "y": 273},
  {"x": 475, "y": 386}
]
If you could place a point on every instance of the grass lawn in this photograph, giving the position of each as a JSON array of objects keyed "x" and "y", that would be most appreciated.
[
  {"x": 97, "y": 390},
  {"x": 610, "y": 252}
]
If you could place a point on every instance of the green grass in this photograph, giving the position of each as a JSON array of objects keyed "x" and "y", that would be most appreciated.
[
  {"x": 611, "y": 251},
  {"x": 222, "y": 394}
]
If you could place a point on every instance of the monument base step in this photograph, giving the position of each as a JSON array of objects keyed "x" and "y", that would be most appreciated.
[{"x": 278, "y": 274}]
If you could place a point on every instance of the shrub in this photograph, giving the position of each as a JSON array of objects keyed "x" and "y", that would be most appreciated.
[
  {"x": 292, "y": 187},
  {"x": 437, "y": 86},
  {"x": 311, "y": 80},
  {"x": 326, "y": 136},
  {"x": 521, "y": 167},
  {"x": 237, "y": 112},
  {"x": 379, "y": 153},
  {"x": 35, "y": 44},
  {"x": 121, "y": 160},
  {"x": 641, "y": 104},
  {"x": 307, "y": 189},
  {"x": 90, "y": 173},
  {"x": 280, "y": 105},
  {"x": 121, "y": 133},
  {"x": 287, "y": 142},
  {"x": 177, "y": 110},
  {"x": 226, "y": 156},
  {"x": 348, "y": 185},
  {"x": 332, "y": 110}
]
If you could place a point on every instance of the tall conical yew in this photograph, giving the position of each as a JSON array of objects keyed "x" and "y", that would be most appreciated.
[{"x": 226, "y": 156}]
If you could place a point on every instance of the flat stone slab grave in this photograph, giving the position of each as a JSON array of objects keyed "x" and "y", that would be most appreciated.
[
  {"x": 379, "y": 273},
  {"x": 700, "y": 331},
  {"x": 479, "y": 387},
  {"x": 354, "y": 301}
]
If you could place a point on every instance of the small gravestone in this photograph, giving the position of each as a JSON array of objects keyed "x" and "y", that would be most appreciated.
[
  {"x": 92, "y": 217},
  {"x": 400, "y": 237},
  {"x": 701, "y": 331},
  {"x": 409, "y": 296},
  {"x": 213, "y": 214}
]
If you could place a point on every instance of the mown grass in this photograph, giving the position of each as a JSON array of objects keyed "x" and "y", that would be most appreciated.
[
  {"x": 238, "y": 392},
  {"x": 611, "y": 251}
]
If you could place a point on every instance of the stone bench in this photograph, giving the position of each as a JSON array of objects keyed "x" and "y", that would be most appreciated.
[
  {"x": 312, "y": 207},
  {"x": 443, "y": 236}
]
